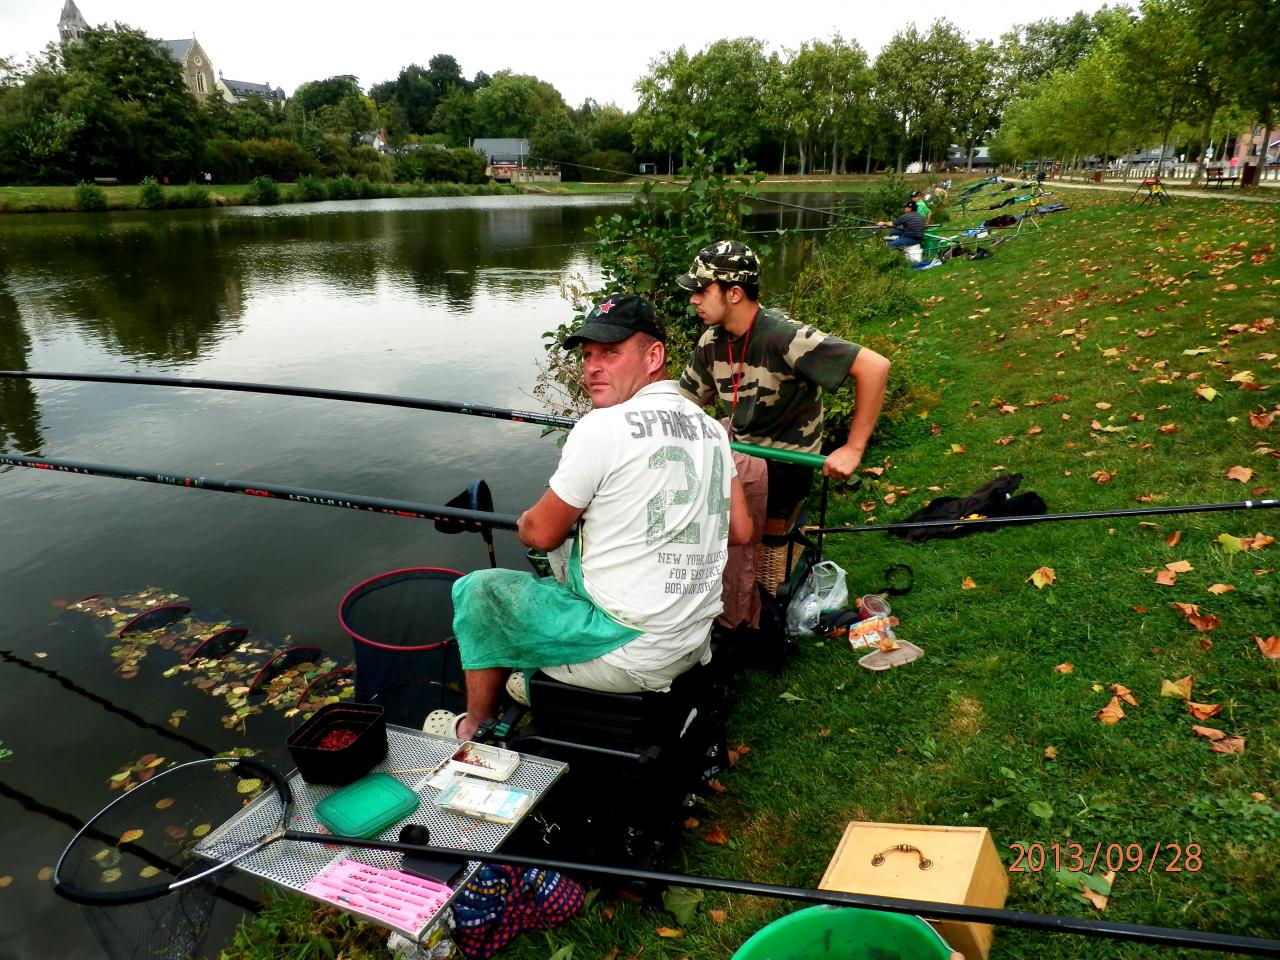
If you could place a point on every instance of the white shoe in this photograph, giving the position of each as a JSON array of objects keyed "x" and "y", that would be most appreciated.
[{"x": 518, "y": 687}]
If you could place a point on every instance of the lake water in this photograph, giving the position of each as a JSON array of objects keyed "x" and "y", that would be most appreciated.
[{"x": 439, "y": 298}]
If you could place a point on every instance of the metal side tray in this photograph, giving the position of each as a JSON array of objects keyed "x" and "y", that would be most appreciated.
[{"x": 368, "y": 883}]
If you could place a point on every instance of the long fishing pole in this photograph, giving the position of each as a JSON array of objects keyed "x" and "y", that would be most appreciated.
[
  {"x": 273, "y": 491},
  {"x": 983, "y": 522},
  {"x": 1163, "y": 936},
  {"x": 389, "y": 400},
  {"x": 667, "y": 182}
]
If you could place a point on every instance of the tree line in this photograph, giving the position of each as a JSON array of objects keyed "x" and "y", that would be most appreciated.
[{"x": 1179, "y": 72}]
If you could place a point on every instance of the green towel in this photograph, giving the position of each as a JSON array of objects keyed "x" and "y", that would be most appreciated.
[{"x": 506, "y": 618}]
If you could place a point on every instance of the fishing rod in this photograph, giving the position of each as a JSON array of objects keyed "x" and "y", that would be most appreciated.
[
  {"x": 475, "y": 519},
  {"x": 216, "y": 788},
  {"x": 984, "y": 522},
  {"x": 666, "y": 182},
  {"x": 389, "y": 400}
]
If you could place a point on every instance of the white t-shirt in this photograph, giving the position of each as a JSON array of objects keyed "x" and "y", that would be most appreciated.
[{"x": 654, "y": 475}]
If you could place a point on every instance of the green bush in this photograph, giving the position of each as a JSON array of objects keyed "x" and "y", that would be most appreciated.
[
  {"x": 90, "y": 197},
  {"x": 854, "y": 288},
  {"x": 263, "y": 191},
  {"x": 191, "y": 195},
  {"x": 310, "y": 189},
  {"x": 344, "y": 187},
  {"x": 152, "y": 195}
]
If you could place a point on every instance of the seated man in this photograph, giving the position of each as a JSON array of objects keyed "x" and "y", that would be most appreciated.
[
  {"x": 909, "y": 227},
  {"x": 652, "y": 480}
]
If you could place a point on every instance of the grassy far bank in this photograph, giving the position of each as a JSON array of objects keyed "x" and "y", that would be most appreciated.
[
  {"x": 1118, "y": 356},
  {"x": 60, "y": 199}
]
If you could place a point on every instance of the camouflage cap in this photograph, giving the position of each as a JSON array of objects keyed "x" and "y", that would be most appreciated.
[{"x": 729, "y": 260}]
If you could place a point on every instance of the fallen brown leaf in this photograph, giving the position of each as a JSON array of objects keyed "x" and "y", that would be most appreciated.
[
  {"x": 1172, "y": 539},
  {"x": 1112, "y": 712},
  {"x": 1257, "y": 541},
  {"x": 670, "y": 933},
  {"x": 716, "y": 835},
  {"x": 1204, "y": 622},
  {"x": 1220, "y": 588},
  {"x": 1179, "y": 566},
  {"x": 1203, "y": 711},
  {"x": 1121, "y": 691},
  {"x": 692, "y": 823},
  {"x": 1269, "y": 648},
  {"x": 717, "y": 786},
  {"x": 824, "y": 732},
  {"x": 1051, "y": 753},
  {"x": 1139, "y": 608},
  {"x": 1102, "y": 405},
  {"x": 1102, "y": 476},
  {"x": 1042, "y": 577},
  {"x": 1177, "y": 688},
  {"x": 1243, "y": 474},
  {"x": 1064, "y": 668},
  {"x": 1209, "y": 733},
  {"x": 1167, "y": 428},
  {"x": 1228, "y": 745},
  {"x": 1166, "y": 578},
  {"x": 717, "y": 916},
  {"x": 967, "y": 583},
  {"x": 1099, "y": 900},
  {"x": 607, "y": 910}
]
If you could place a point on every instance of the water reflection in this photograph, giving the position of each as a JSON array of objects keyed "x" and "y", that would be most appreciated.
[{"x": 19, "y": 416}]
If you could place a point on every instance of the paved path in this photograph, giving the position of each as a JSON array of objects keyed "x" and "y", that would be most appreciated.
[{"x": 1270, "y": 193}]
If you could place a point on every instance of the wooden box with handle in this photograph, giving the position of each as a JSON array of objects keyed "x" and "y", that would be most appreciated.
[{"x": 919, "y": 862}]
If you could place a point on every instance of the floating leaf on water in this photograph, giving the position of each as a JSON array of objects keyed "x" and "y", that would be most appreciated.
[
  {"x": 201, "y": 830},
  {"x": 5, "y": 881},
  {"x": 112, "y": 875},
  {"x": 45, "y": 874},
  {"x": 249, "y": 785},
  {"x": 129, "y": 836},
  {"x": 176, "y": 833},
  {"x": 106, "y": 857},
  {"x": 148, "y": 872},
  {"x": 164, "y": 803}
]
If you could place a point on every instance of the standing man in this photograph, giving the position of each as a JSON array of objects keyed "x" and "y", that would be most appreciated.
[
  {"x": 652, "y": 479},
  {"x": 769, "y": 371}
]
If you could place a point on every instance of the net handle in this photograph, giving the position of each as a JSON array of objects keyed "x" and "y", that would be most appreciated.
[{"x": 76, "y": 894}]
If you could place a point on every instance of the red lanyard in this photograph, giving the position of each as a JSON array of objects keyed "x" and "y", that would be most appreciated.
[{"x": 737, "y": 376}]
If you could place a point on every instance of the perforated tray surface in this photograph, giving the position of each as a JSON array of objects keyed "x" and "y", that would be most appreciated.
[{"x": 292, "y": 865}]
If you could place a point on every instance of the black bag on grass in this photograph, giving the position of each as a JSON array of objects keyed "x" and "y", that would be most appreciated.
[{"x": 995, "y": 499}]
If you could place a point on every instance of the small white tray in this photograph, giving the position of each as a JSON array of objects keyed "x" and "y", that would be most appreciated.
[
  {"x": 879, "y": 660},
  {"x": 482, "y": 760}
]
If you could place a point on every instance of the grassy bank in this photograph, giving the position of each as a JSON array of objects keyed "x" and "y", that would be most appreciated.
[
  {"x": 1119, "y": 356},
  {"x": 128, "y": 197}
]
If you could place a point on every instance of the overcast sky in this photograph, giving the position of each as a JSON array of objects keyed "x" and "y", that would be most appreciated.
[{"x": 595, "y": 50}]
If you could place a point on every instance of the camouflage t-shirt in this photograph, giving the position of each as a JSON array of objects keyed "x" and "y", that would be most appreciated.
[{"x": 779, "y": 400}]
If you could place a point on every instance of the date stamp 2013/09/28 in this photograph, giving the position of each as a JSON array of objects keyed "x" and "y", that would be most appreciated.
[{"x": 1152, "y": 857}]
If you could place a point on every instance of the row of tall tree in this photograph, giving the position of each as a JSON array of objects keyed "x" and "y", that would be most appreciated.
[
  {"x": 1175, "y": 71},
  {"x": 1187, "y": 73}
]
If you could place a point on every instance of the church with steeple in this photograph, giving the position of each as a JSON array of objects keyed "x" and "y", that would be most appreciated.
[{"x": 197, "y": 68}]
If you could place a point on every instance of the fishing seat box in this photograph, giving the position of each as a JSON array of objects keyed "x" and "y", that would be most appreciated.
[{"x": 966, "y": 870}]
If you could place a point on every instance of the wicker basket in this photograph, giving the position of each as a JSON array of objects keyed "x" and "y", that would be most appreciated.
[{"x": 771, "y": 564}]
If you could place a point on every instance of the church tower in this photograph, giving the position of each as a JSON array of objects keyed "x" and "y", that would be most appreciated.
[{"x": 72, "y": 26}]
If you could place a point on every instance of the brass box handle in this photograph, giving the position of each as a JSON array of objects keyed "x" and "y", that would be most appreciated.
[{"x": 925, "y": 863}]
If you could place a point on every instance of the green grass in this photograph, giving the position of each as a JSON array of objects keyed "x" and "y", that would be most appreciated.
[
  {"x": 1108, "y": 304},
  {"x": 126, "y": 197}
]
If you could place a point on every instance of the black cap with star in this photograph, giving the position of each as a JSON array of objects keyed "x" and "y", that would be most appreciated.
[{"x": 615, "y": 319}]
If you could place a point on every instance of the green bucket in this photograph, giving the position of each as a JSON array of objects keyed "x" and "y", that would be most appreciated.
[{"x": 849, "y": 933}]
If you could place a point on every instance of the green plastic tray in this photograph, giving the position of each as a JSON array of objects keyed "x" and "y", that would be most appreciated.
[{"x": 366, "y": 807}]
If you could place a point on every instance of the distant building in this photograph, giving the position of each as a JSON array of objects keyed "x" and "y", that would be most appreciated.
[
  {"x": 958, "y": 157},
  {"x": 239, "y": 91},
  {"x": 507, "y": 161},
  {"x": 197, "y": 71},
  {"x": 197, "y": 68}
]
